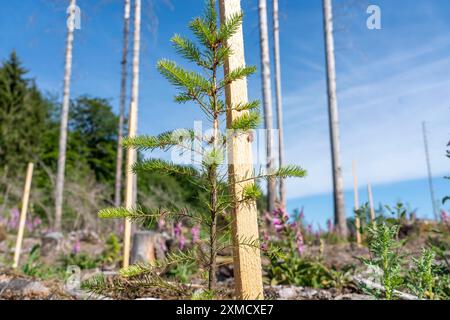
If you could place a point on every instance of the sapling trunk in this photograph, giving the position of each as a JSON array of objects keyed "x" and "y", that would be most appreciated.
[{"x": 212, "y": 169}]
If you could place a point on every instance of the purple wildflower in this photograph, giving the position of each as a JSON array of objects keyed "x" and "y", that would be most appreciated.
[
  {"x": 37, "y": 222},
  {"x": 195, "y": 232},
  {"x": 301, "y": 216},
  {"x": 265, "y": 243},
  {"x": 310, "y": 229},
  {"x": 278, "y": 224},
  {"x": 300, "y": 243},
  {"x": 177, "y": 230},
  {"x": 294, "y": 225},
  {"x": 13, "y": 222},
  {"x": 76, "y": 247},
  {"x": 181, "y": 242},
  {"x": 444, "y": 217},
  {"x": 29, "y": 226},
  {"x": 267, "y": 217},
  {"x": 161, "y": 224}
]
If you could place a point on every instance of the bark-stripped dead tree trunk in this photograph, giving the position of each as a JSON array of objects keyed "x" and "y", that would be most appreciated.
[
  {"x": 276, "y": 49},
  {"x": 338, "y": 184},
  {"x": 247, "y": 260},
  {"x": 130, "y": 199},
  {"x": 64, "y": 117},
  {"x": 123, "y": 94},
  {"x": 267, "y": 99}
]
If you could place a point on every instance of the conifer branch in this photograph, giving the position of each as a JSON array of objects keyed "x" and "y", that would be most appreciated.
[{"x": 246, "y": 122}]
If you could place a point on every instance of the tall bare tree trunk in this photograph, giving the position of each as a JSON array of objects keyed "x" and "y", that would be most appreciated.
[
  {"x": 123, "y": 93},
  {"x": 64, "y": 118},
  {"x": 267, "y": 99},
  {"x": 338, "y": 184},
  {"x": 130, "y": 182},
  {"x": 276, "y": 49}
]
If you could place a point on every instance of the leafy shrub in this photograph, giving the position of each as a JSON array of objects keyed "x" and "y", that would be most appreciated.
[
  {"x": 385, "y": 256},
  {"x": 112, "y": 253},
  {"x": 82, "y": 260}
]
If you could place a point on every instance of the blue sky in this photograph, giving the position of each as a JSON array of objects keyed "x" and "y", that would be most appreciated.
[{"x": 389, "y": 81}]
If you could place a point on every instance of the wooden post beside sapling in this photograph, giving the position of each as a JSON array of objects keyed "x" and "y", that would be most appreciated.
[
  {"x": 372, "y": 209},
  {"x": 247, "y": 261},
  {"x": 356, "y": 198},
  {"x": 23, "y": 214}
]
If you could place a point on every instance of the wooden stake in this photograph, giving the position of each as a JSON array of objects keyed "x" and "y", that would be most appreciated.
[
  {"x": 130, "y": 199},
  {"x": 372, "y": 209},
  {"x": 356, "y": 196},
  {"x": 23, "y": 214},
  {"x": 247, "y": 260}
]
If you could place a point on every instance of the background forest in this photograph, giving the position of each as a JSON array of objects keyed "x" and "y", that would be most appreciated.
[{"x": 29, "y": 132}]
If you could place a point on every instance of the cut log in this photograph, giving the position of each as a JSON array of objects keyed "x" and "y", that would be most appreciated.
[
  {"x": 51, "y": 243},
  {"x": 146, "y": 247}
]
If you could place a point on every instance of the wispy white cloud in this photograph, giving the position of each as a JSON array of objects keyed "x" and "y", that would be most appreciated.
[{"x": 382, "y": 105}]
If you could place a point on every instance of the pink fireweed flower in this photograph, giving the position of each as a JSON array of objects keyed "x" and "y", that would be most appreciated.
[
  {"x": 300, "y": 243},
  {"x": 37, "y": 222},
  {"x": 265, "y": 243},
  {"x": 177, "y": 230},
  {"x": 301, "y": 216},
  {"x": 29, "y": 226},
  {"x": 76, "y": 247},
  {"x": 294, "y": 225},
  {"x": 267, "y": 217},
  {"x": 278, "y": 224},
  {"x": 13, "y": 221},
  {"x": 195, "y": 232},
  {"x": 181, "y": 242},
  {"x": 161, "y": 224},
  {"x": 444, "y": 217}
]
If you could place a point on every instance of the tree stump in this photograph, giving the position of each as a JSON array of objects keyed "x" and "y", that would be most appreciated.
[
  {"x": 51, "y": 243},
  {"x": 146, "y": 247}
]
